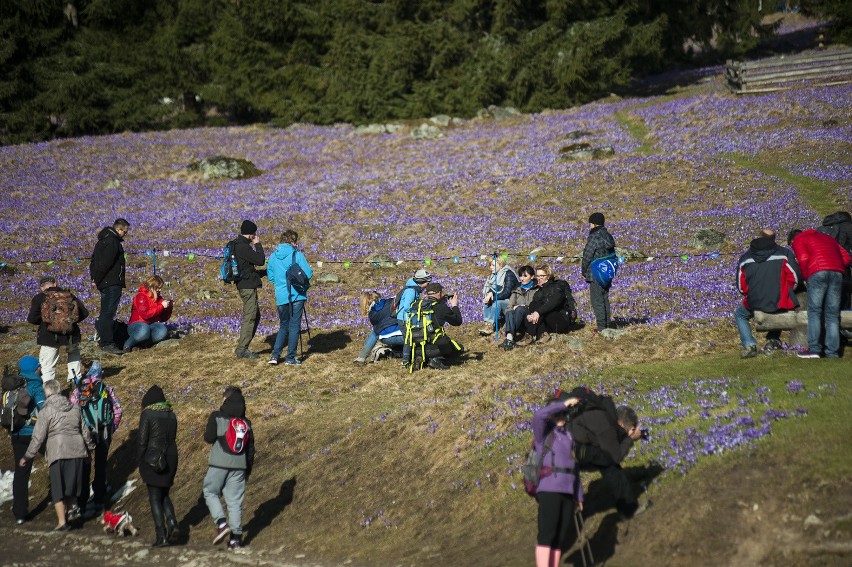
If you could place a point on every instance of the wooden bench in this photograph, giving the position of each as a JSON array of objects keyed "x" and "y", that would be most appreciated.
[{"x": 794, "y": 321}]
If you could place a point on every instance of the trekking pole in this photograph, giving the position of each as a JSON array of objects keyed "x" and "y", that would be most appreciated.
[
  {"x": 307, "y": 328},
  {"x": 496, "y": 313},
  {"x": 585, "y": 544}
]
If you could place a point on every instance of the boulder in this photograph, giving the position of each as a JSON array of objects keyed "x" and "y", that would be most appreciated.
[
  {"x": 441, "y": 120},
  {"x": 328, "y": 277},
  {"x": 381, "y": 261},
  {"x": 629, "y": 254},
  {"x": 426, "y": 131},
  {"x": 707, "y": 239},
  {"x": 217, "y": 167},
  {"x": 371, "y": 129},
  {"x": 612, "y": 333},
  {"x": 582, "y": 151},
  {"x": 575, "y": 147},
  {"x": 577, "y": 134}
]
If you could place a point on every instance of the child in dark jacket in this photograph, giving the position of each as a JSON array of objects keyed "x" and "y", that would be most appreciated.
[{"x": 228, "y": 470}]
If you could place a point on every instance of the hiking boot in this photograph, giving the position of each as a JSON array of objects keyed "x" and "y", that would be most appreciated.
[
  {"x": 807, "y": 354},
  {"x": 771, "y": 346},
  {"x": 292, "y": 362},
  {"x": 274, "y": 360},
  {"x": 247, "y": 354},
  {"x": 360, "y": 361},
  {"x": 750, "y": 352},
  {"x": 222, "y": 532},
  {"x": 235, "y": 543},
  {"x": 111, "y": 349},
  {"x": 437, "y": 363},
  {"x": 485, "y": 331},
  {"x": 507, "y": 345},
  {"x": 543, "y": 338}
]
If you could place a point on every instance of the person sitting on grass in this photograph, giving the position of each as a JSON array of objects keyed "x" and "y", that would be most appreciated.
[
  {"x": 517, "y": 308},
  {"x": 148, "y": 315},
  {"x": 552, "y": 310},
  {"x": 436, "y": 345},
  {"x": 502, "y": 281},
  {"x": 385, "y": 330}
]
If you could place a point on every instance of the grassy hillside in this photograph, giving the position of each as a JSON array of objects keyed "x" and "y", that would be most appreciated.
[{"x": 381, "y": 467}]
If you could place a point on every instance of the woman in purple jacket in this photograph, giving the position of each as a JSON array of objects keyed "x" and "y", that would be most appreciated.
[{"x": 559, "y": 485}]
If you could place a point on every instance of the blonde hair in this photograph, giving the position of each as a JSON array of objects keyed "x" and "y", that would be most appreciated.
[
  {"x": 153, "y": 284},
  {"x": 546, "y": 269},
  {"x": 366, "y": 300}
]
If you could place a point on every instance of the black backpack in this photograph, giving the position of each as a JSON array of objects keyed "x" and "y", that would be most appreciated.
[
  {"x": 15, "y": 406},
  {"x": 591, "y": 400},
  {"x": 296, "y": 277},
  {"x": 229, "y": 272}
]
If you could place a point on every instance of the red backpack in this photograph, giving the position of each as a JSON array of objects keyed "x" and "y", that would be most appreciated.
[
  {"x": 237, "y": 435},
  {"x": 59, "y": 311}
]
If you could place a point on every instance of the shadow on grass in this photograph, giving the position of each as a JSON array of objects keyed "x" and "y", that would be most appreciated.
[
  {"x": 191, "y": 519},
  {"x": 268, "y": 511},
  {"x": 120, "y": 464},
  {"x": 318, "y": 343}
]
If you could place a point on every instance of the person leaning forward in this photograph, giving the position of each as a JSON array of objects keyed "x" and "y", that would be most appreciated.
[
  {"x": 249, "y": 253},
  {"x": 49, "y": 342}
]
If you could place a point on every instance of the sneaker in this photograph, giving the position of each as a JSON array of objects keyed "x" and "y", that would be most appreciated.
[
  {"x": 507, "y": 345},
  {"x": 63, "y": 528},
  {"x": 807, "y": 354},
  {"x": 20, "y": 521},
  {"x": 222, "y": 532},
  {"x": 360, "y": 361},
  {"x": 750, "y": 352},
  {"x": 292, "y": 362},
  {"x": 112, "y": 349},
  {"x": 247, "y": 354},
  {"x": 274, "y": 360},
  {"x": 234, "y": 544}
]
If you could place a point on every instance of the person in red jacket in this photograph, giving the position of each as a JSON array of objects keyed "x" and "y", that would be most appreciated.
[
  {"x": 148, "y": 314},
  {"x": 822, "y": 261}
]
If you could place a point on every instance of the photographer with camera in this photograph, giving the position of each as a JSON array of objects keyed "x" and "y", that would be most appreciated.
[{"x": 603, "y": 436}]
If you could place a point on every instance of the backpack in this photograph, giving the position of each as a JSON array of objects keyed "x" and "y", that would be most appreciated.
[
  {"x": 96, "y": 407},
  {"x": 419, "y": 330},
  {"x": 59, "y": 311},
  {"x": 229, "y": 272},
  {"x": 237, "y": 435},
  {"x": 534, "y": 469},
  {"x": 591, "y": 400},
  {"x": 15, "y": 402},
  {"x": 604, "y": 269},
  {"x": 296, "y": 277},
  {"x": 398, "y": 298}
]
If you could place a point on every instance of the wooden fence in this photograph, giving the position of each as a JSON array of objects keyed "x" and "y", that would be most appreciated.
[{"x": 831, "y": 67}]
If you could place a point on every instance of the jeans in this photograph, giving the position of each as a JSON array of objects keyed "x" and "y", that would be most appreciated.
[
  {"x": 140, "y": 332},
  {"x": 48, "y": 357},
  {"x": 824, "y": 290},
  {"x": 488, "y": 311},
  {"x": 230, "y": 483},
  {"x": 742, "y": 316},
  {"x": 515, "y": 320},
  {"x": 110, "y": 296},
  {"x": 599, "y": 298},
  {"x": 373, "y": 339},
  {"x": 250, "y": 320},
  {"x": 290, "y": 319}
]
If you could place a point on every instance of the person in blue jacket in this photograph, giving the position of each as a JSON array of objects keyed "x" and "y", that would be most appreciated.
[
  {"x": 290, "y": 302},
  {"x": 30, "y": 369},
  {"x": 386, "y": 327},
  {"x": 559, "y": 489},
  {"x": 410, "y": 293}
]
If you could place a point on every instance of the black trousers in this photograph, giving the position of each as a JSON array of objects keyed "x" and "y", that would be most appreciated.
[
  {"x": 555, "y": 520},
  {"x": 99, "y": 482},
  {"x": 592, "y": 458},
  {"x": 553, "y": 322},
  {"x": 21, "y": 478}
]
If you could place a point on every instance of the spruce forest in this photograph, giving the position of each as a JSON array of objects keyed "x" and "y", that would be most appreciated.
[{"x": 103, "y": 66}]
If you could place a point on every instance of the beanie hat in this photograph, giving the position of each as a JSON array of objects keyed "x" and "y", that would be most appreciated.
[
  {"x": 28, "y": 365},
  {"x": 248, "y": 227},
  {"x": 434, "y": 287},
  {"x": 152, "y": 396},
  {"x": 597, "y": 218},
  {"x": 422, "y": 276}
]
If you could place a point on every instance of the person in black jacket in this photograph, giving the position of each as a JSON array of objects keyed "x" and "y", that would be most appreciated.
[
  {"x": 601, "y": 442},
  {"x": 227, "y": 471},
  {"x": 839, "y": 226},
  {"x": 48, "y": 355},
  {"x": 552, "y": 309},
  {"x": 157, "y": 434},
  {"x": 107, "y": 272},
  {"x": 249, "y": 253},
  {"x": 599, "y": 244},
  {"x": 445, "y": 310}
]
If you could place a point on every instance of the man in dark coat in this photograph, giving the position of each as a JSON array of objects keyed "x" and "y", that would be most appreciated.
[
  {"x": 249, "y": 253},
  {"x": 601, "y": 443},
  {"x": 598, "y": 245},
  {"x": 107, "y": 272},
  {"x": 839, "y": 226},
  {"x": 445, "y": 310},
  {"x": 49, "y": 342}
]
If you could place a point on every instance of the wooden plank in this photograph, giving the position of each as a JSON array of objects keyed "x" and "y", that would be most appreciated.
[
  {"x": 784, "y": 61},
  {"x": 799, "y": 74},
  {"x": 790, "y": 319}
]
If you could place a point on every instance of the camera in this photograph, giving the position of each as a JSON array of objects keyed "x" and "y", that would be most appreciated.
[{"x": 644, "y": 435}]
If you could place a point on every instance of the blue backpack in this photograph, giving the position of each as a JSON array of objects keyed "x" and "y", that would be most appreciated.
[
  {"x": 296, "y": 277},
  {"x": 604, "y": 269},
  {"x": 229, "y": 272}
]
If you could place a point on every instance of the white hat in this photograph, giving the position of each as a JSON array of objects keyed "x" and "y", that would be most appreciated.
[{"x": 422, "y": 276}]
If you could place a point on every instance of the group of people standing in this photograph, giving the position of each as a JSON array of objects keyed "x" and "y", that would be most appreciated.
[{"x": 770, "y": 276}]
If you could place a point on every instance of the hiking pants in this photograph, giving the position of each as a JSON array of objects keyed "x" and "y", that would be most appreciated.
[
  {"x": 250, "y": 320},
  {"x": 599, "y": 298},
  {"x": 98, "y": 485},
  {"x": 289, "y": 329},
  {"x": 110, "y": 296},
  {"x": 21, "y": 478},
  {"x": 230, "y": 483},
  {"x": 48, "y": 357}
]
